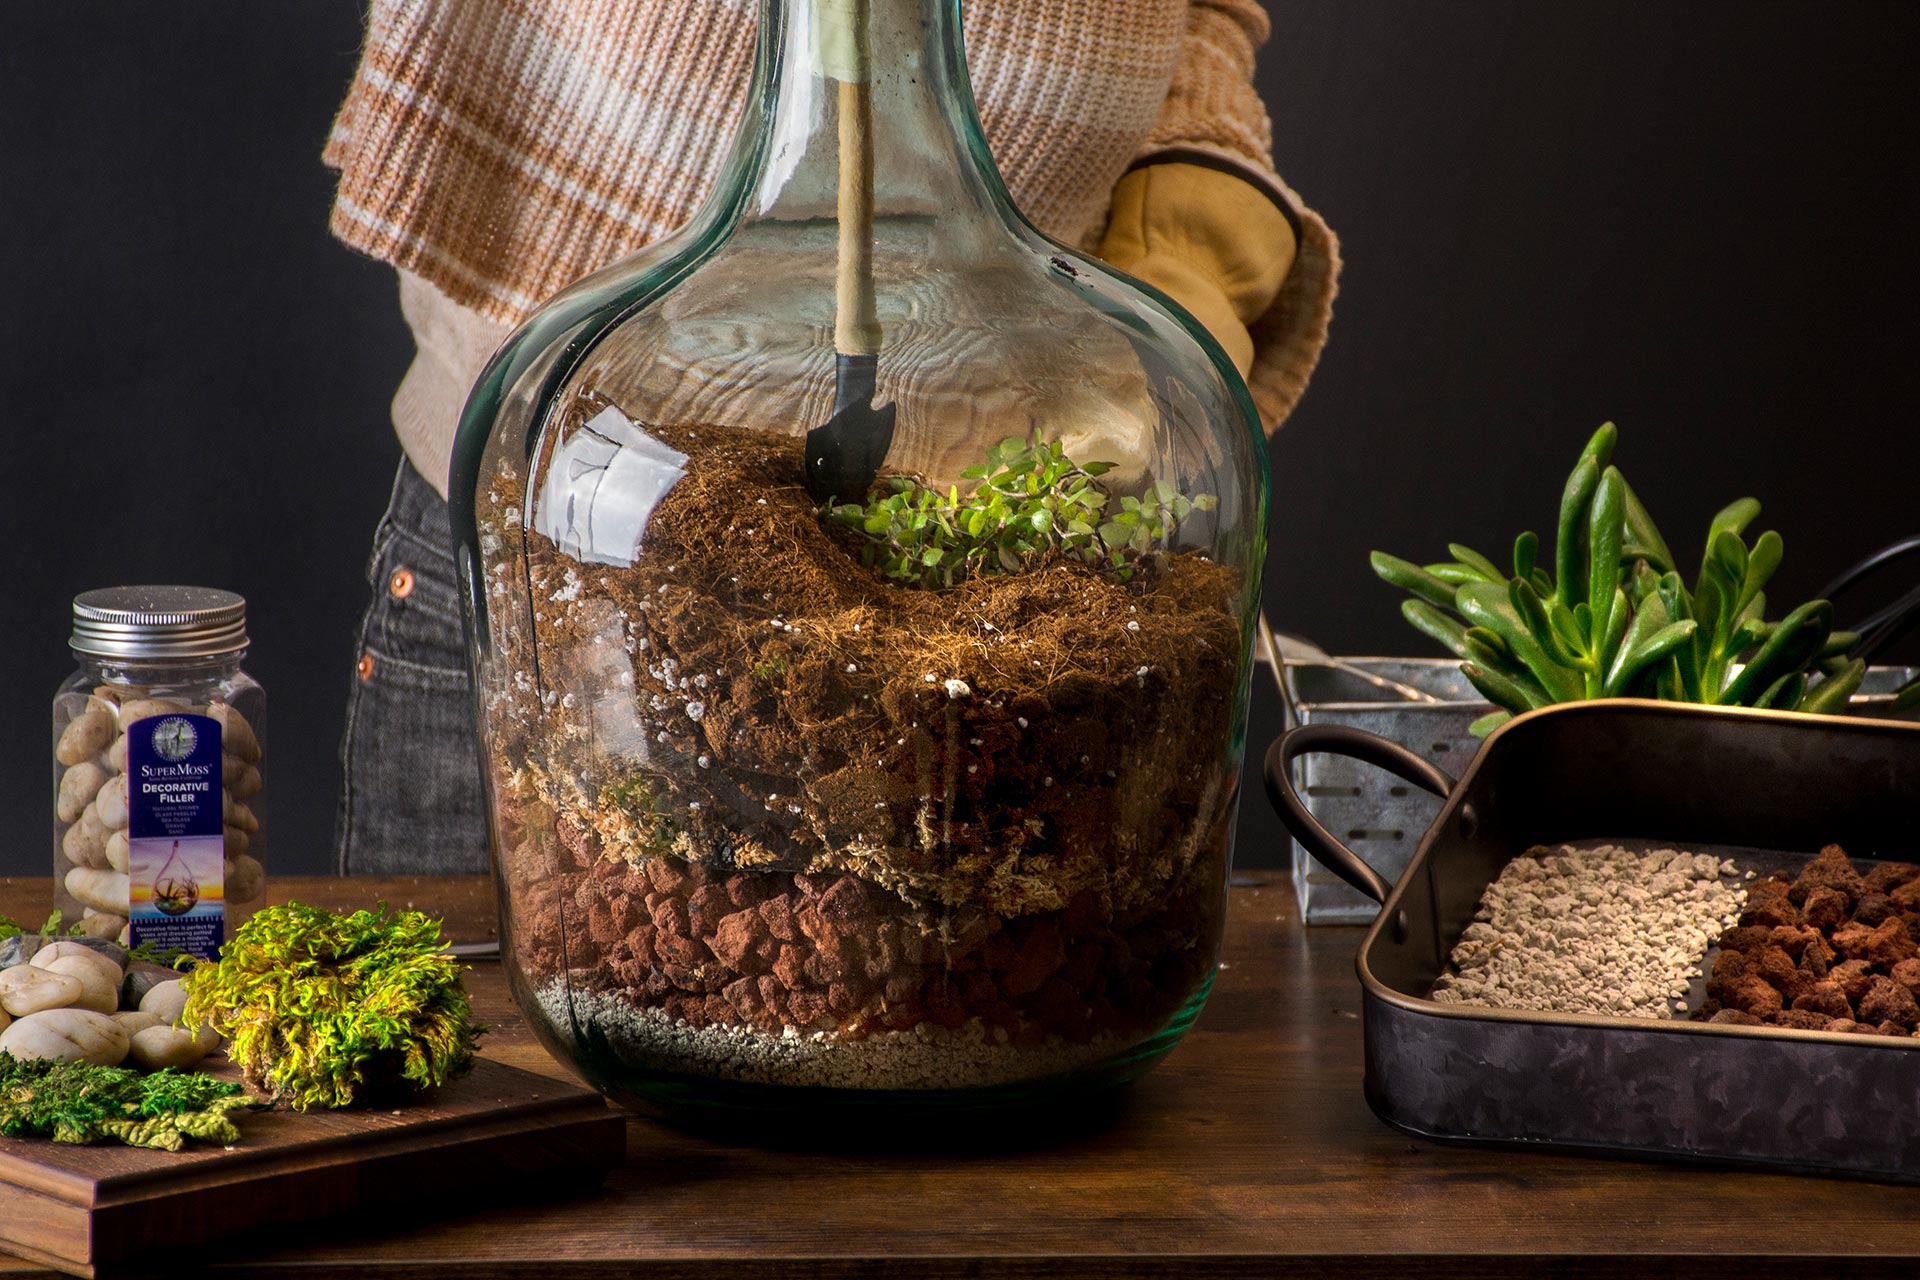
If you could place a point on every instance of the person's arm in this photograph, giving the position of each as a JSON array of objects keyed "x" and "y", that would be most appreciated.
[{"x": 1203, "y": 216}]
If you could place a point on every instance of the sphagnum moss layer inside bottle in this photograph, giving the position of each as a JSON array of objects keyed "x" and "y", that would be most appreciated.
[{"x": 860, "y": 589}]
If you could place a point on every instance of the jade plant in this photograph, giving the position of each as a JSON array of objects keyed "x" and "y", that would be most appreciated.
[
  {"x": 1612, "y": 616},
  {"x": 83, "y": 1103},
  {"x": 1030, "y": 504},
  {"x": 327, "y": 1010}
]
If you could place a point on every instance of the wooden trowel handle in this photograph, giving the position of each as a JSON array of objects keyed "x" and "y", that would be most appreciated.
[{"x": 856, "y": 322}]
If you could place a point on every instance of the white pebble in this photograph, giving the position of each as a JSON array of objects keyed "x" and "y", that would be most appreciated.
[
  {"x": 99, "y": 980},
  {"x": 166, "y": 1001},
  {"x": 67, "y": 1035},
  {"x": 158, "y": 1047},
  {"x": 27, "y": 989}
]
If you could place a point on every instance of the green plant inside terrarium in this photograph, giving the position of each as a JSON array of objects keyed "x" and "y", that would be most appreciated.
[{"x": 1030, "y": 504}]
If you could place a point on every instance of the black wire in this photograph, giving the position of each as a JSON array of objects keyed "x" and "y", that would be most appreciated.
[
  {"x": 1892, "y": 551},
  {"x": 1888, "y": 625}
]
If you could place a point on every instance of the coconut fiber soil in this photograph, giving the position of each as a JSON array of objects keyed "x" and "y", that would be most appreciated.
[{"x": 1009, "y": 745}]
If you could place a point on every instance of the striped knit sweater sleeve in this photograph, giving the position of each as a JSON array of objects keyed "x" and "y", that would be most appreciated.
[{"x": 495, "y": 152}]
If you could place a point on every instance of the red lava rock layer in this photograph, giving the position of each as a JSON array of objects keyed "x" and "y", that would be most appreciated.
[
  {"x": 829, "y": 952},
  {"x": 1827, "y": 950}
]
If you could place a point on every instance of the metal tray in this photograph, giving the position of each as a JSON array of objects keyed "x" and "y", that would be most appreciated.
[
  {"x": 1770, "y": 788},
  {"x": 1427, "y": 706}
]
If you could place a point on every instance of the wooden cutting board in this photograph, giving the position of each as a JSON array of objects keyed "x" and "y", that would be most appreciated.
[{"x": 100, "y": 1210}]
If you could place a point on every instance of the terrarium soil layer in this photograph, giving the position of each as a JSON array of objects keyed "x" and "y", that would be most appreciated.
[{"x": 1010, "y": 744}]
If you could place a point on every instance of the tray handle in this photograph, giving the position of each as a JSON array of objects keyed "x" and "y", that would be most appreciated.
[{"x": 1358, "y": 744}]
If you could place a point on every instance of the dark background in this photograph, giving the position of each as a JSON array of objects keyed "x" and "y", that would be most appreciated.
[{"x": 1697, "y": 220}]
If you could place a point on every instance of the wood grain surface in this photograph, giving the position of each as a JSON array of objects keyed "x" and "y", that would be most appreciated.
[{"x": 1249, "y": 1152}]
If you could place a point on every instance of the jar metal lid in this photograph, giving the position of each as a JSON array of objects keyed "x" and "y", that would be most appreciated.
[{"x": 158, "y": 622}]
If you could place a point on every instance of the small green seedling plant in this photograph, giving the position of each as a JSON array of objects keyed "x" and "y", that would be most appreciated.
[
  {"x": 1030, "y": 505},
  {"x": 326, "y": 1010},
  {"x": 1612, "y": 617}
]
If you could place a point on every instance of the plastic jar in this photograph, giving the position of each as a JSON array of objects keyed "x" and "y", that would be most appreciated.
[{"x": 157, "y": 743}]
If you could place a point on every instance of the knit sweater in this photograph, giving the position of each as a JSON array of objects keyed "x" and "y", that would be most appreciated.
[{"x": 494, "y": 151}]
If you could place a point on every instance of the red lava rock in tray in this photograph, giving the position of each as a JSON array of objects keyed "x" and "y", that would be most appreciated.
[
  {"x": 1776, "y": 968},
  {"x": 1790, "y": 939},
  {"x": 1836, "y": 949},
  {"x": 1831, "y": 868},
  {"x": 1736, "y": 1018},
  {"x": 1886, "y": 1001},
  {"x": 1825, "y": 908},
  {"x": 1769, "y": 909},
  {"x": 1905, "y": 896},
  {"x": 1907, "y": 974},
  {"x": 1887, "y": 876},
  {"x": 1823, "y": 998},
  {"x": 1729, "y": 968},
  {"x": 1852, "y": 977},
  {"x": 1885, "y": 944},
  {"x": 1752, "y": 937},
  {"x": 1754, "y": 995},
  {"x": 1873, "y": 908}
]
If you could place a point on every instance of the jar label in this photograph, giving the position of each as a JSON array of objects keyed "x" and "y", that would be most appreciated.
[{"x": 176, "y": 834}]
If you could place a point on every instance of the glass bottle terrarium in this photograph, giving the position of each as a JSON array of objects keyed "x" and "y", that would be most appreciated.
[{"x": 860, "y": 589}]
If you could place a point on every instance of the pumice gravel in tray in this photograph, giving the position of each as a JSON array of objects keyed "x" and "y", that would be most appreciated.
[
  {"x": 1759, "y": 788},
  {"x": 1604, "y": 929}
]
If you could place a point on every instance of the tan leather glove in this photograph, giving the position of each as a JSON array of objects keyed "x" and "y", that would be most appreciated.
[{"x": 1215, "y": 244}]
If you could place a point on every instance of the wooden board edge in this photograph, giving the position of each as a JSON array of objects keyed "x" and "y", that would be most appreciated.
[
  {"x": 370, "y": 1180},
  {"x": 33, "y": 1223},
  {"x": 237, "y": 1161}
]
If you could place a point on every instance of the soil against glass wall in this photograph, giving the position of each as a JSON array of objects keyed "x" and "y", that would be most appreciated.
[{"x": 746, "y": 788}]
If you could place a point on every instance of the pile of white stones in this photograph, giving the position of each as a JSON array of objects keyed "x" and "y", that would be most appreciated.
[{"x": 81, "y": 1000}]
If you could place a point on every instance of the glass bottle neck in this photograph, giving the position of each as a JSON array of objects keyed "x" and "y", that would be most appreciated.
[{"x": 831, "y": 70}]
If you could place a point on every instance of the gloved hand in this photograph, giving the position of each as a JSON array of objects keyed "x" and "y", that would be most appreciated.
[{"x": 1215, "y": 244}]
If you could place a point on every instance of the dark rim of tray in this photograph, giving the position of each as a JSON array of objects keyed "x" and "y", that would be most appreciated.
[{"x": 1378, "y": 990}]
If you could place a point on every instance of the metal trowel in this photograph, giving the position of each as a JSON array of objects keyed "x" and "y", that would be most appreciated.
[{"x": 844, "y": 453}]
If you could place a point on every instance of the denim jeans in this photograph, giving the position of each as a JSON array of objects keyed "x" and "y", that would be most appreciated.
[{"x": 410, "y": 798}]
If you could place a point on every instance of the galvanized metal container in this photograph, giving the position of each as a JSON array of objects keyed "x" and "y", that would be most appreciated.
[
  {"x": 1765, "y": 788},
  {"x": 1378, "y": 816}
]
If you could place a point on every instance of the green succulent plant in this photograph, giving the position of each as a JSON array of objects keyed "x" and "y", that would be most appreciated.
[
  {"x": 1030, "y": 504},
  {"x": 1614, "y": 618}
]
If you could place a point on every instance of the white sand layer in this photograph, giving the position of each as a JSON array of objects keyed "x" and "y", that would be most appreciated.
[{"x": 927, "y": 1057}]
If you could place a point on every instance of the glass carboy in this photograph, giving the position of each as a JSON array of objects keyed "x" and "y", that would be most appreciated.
[{"x": 860, "y": 588}]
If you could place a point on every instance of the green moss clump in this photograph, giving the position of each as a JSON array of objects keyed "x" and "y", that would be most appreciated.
[
  {"x": 326, "y": 1010},
  {"x": 79, "y": 1102}
]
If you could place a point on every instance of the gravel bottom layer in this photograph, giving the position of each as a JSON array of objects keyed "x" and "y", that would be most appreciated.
[
  {"x": 1601, "y": 930},
  {"x": 927, "y": 1057}
]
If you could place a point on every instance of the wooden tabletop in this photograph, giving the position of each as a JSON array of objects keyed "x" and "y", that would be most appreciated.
[{"x": 1249, "y": 1152}]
